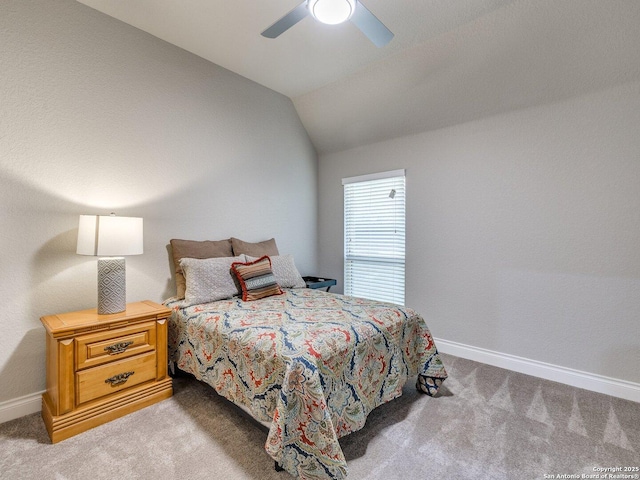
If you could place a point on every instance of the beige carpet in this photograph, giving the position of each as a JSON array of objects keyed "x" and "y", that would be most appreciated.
[{"x": 486, "y": 423}]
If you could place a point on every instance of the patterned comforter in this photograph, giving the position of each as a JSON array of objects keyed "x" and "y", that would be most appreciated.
[{"x": 312, "y": 363}]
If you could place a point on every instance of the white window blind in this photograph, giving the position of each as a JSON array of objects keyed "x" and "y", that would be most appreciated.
[{"x": 374, "y": 226}]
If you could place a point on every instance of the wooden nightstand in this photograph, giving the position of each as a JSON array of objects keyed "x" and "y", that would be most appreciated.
[{"x": 101, "y": 367}]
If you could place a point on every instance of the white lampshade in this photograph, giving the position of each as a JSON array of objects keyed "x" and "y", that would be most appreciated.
[
  {"x": 332, "y": 12},
  {"x": 105, "y": 235},
  {"x": 110, "y": 237}
]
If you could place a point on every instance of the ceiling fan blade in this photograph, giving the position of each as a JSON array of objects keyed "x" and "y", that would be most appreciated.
[
  {"x": 369, "y": 24},
  {"x": 288, "y": 21}
]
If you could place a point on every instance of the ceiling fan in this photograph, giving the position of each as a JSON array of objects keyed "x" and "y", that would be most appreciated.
[{"x": 333, "y": 12}]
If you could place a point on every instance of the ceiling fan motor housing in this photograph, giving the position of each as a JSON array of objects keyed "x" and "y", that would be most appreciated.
[{"x": 332, "y": 12}]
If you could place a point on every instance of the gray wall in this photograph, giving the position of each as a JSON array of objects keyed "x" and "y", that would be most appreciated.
[
  {"x": 523, "y": 229},
  {"x": 97, "y": 116}
]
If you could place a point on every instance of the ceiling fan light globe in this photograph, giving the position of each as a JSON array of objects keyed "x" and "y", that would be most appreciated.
[{"x": 332, "y": 12}]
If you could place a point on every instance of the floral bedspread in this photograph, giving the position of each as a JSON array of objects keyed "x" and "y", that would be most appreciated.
[{"x": 312, "y": 363}]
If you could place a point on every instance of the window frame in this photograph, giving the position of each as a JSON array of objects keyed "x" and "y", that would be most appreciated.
[{"x": 387, "y": 267}]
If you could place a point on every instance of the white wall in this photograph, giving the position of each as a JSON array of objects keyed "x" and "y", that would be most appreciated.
[
  {"x": 97, "y": 116},
  {"x": 495, "y": 57},
  {"x": 523, "y": 229}
]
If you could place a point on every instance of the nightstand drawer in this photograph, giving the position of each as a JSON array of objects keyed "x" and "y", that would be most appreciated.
[
  {"x": 102, "y": 347},
  {"x": 110, "y": 378}
]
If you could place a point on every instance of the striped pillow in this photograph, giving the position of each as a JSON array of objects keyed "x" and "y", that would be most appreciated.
[{"x": 256, "y": 279}]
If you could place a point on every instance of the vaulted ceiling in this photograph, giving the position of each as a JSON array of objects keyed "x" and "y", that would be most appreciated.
[{"x": 451, "y": 61}]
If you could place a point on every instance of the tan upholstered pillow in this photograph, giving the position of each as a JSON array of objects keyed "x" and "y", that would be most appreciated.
[
  {"x": 256, "y": 279},
  {"x": 196, "y": 249},
  {"x": 259, "y": 249}
]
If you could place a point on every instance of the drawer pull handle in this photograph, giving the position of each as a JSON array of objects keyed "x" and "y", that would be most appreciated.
[
  {"x": 119, "y": 379},
  {"x": 117, "y": 348}
]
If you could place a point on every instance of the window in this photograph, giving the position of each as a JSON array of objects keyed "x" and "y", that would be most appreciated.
[{"x": 374, "y": 236}]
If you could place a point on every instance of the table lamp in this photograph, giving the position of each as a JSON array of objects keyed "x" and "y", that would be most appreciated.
[{"x": 110, "y": 237}]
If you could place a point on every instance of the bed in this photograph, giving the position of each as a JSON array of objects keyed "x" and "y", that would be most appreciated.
[{"x": 309, "y": 364}]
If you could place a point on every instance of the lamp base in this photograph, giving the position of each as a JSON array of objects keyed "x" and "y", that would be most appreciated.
[{"x": 112, "y": 286}]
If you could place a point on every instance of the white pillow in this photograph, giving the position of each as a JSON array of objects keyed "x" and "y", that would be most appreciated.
[
  {"x": 285, "y": 271},
  {"x": 209, "y": 279}
]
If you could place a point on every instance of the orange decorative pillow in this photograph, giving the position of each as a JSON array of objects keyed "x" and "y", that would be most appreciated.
[{"x": 256, "y": 279}]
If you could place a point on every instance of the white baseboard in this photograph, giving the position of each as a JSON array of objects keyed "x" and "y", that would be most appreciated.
[
  {"x": 19, "y": 407},
  {"x": 576, "y": 378}
]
